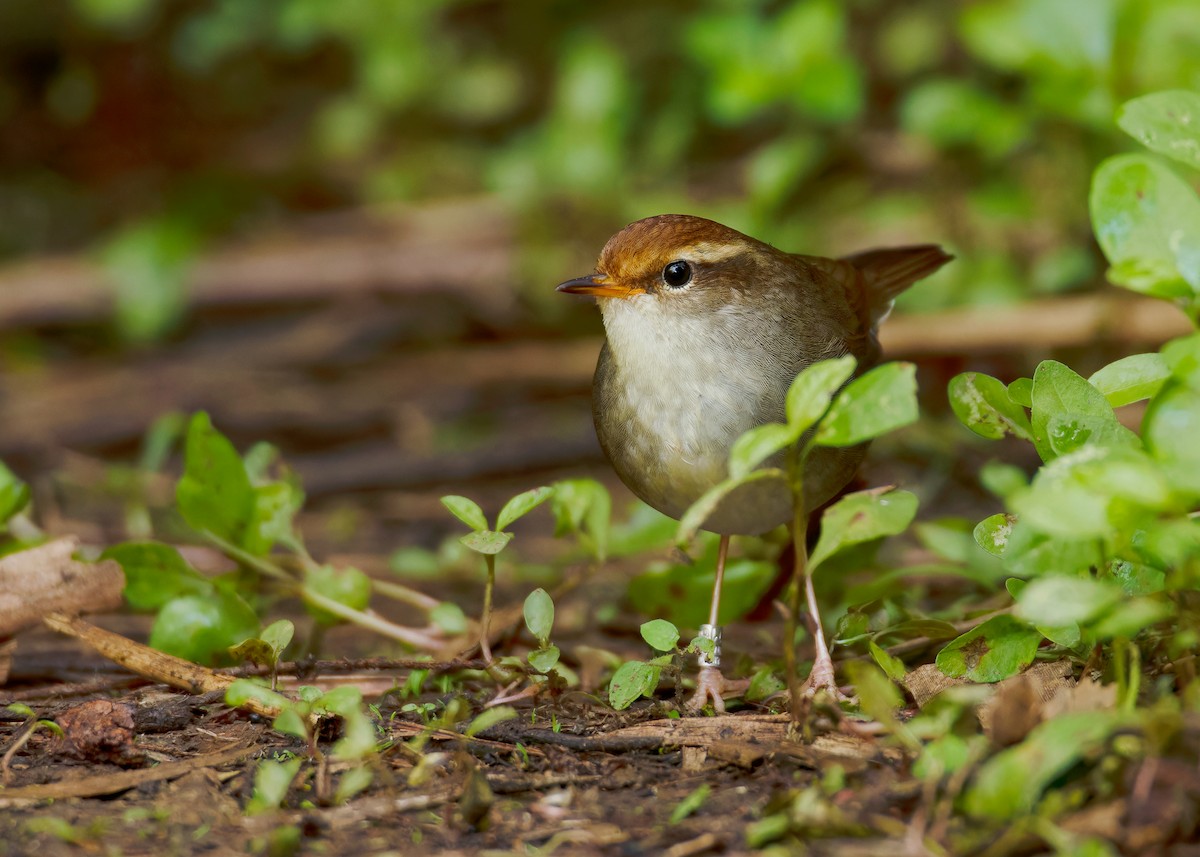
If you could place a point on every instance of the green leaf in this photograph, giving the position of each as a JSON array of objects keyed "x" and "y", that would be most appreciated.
[
  {"x": 583, "y": 507},
  {"x": 449, "y": 617},
  {"x": 862, "y": 517},
  {"x": 155, "y": 574},
  {"x": 1166, "y": 122},
  {"x": 757, "y": 445},
  {"x": 1060, "y": 392},
  {"x": 810, "y": 394},
  {"x": 1147, "y": 222},
  {"x": 358, "y": 733},
  {"x": 691, "y": 802},
  {"x": 999, "y": 648},
  {"x": 632, "y": 680},
  {"x": 660, "y": 634},
  {"x": 465, "y": 510},
  {"x": 351, "y": 783},
  {"x": 983, "y": 405},
  {"x": 347, "y": 586},
  {"x": 271, "y": 783},
  {"x": 1030, "y": 553},
  {"x": 1010, "y": 783},
  {"x": 878, "y": 402},
  {"x": 1021, "y": 392},
  {"x": 889, "y": 663},
  {"x": 14, "y": 494},
  {"x": 1183, "y": 357},
  {"x": 539, "y": 615},
  {"x": 695, "y": 516},
  {"x": 214, "y": 494},
  {"x": 243, "y": 690},
  {"x": 271, "y": 518},
  {"x": 522, "y": 505},
  {"x": 544, "y": 659},
  {"x": 878, "y": 696},
  {"x": 1094, "y": 491},
  {"x": 490, "y": 717},
  {"x": 1058, "y": 600},
  {"x": 1170, "y": 429},
  {"x": 1131, "y": 379},
  {"x": 1133, "y": 616},
  {"x": 683, "y": 594},
  {"x": 1002, "y": 479},
  {"x": 278, "y": 635},
  {"x": 255, "y": 650},
  {"x": 291, "y": 722},
  {"x": 992, "y": 533},
  {"x": 203, "y": 628},
  {"x": 148, "y": 265},
  {"x": 486, "y": 542}
]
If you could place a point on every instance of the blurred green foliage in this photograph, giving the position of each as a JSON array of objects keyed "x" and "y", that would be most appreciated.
[{"x": 818, "y": 125}]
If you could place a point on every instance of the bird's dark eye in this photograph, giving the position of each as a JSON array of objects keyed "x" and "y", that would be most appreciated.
[{"x": 677, "y": 274}]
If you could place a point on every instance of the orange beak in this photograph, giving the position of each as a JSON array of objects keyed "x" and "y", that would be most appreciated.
[{"x": 599, "y": 286}]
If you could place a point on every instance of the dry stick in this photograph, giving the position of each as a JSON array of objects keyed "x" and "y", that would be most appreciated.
[{"x": 145, "y": 661}]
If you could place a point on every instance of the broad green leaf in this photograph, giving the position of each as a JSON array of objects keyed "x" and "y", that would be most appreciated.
[
  {"x": 291, "y": 722},
  {"x": 1030, "y": 553},
  {"x": 889, "y": 663},
  {"x": 271, "y": 519},
  {"x": 999, "y": 648},
  {"x": 1182, "y": 356},
  {"x": 351, "y": 783},
  {"x": 1002, "y": 479},
  {"x": 983, "y": 405},
  {"x": 521, "y": 505},
  {"x": 347, "y": 586},
  {"x": 660, "y": 634},
  {"x": 155, "y": 574},
  {"x": 1093, "y": 491},
  {"x": 341, "y": 700},
  {"x": 1058, "y": 600},
  {"x": 1068, "y": 432},
  {"x": 490, "y": 717},
  {"x": 1011, "y": 782},
  {"x": 272, "y": 780},
  {"x": 1131, "y": 379},
  {"x": 358, "y": 735},
  {"x": 543, "y": 659},
  {"x": 449, "y": 618},
  {"x": 810, "y": 394},
  {"x": 14, "y": 494},
  {"x": 878, "y": 696},
  {"x": 992, "y": 533},
  {"x": 757, "y": 445},
  {"x": 278, "y": 635},
  {"x": 1137, "y": 579},
  {"x": 539, "y": 615},
  {"x": 1147, "y": 221},
  {"x": 1170, "y": 429},
  {"x": 1166, "y": 122},
  {"x": 465, "y": 510},
  {"x": 583, "y": 507},
  {"x": 876, "y": 403},
  {"x": 693, "y": 519},
  {"x": 243, "y": 690},
  {"x": 633, "y": 679},
  {"x": 214, "y": 494},
  {"x": 1021, "y": 392},
  {"x": 862, "y": 517},
  {"x": 254, "y": 649},
  {"x": 203, "y": 628},
  {"x": 486, "y": 542},
  {"x": 1060, "y": 392},
  {"x": 1133, "y": 616}
]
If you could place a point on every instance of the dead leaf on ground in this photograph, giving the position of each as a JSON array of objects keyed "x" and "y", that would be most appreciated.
[{"x": 48, "y": 579}]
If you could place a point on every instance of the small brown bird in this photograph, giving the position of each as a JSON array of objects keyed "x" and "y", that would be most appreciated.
[{"x": 706, "y": 329}]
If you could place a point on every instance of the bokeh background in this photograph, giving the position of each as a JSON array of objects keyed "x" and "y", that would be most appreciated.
[{"x": 337, "y": 226}]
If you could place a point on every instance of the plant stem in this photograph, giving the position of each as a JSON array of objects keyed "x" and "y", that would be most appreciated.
[
  {"x": 258, "y": 563},
  {"x": 485, "y": 621},
  {"x": 799, "y": 576},
  {"x": 370, "y": 621},
  {"x": 404, "y": 594}
]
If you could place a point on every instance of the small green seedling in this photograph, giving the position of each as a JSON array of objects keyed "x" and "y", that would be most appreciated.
[
  {"x": 24, "y": 733},
  {"x": 489, "y": 542},
  {"x": 539, "y": 619},
  {"x": 301, "y": 719},
  {"x": 267, "y": 647},
  {"x": 634, "y": 679}
]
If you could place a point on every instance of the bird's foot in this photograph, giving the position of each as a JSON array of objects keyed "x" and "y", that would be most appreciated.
[
  {"x": 822, "y": 679},
  {"x": 713, "y": 687}
]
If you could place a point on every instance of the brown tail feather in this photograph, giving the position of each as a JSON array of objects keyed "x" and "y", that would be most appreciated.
[{"x": 891, "y": 270}]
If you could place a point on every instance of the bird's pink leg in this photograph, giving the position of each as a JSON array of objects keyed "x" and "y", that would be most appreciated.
[
  {"x": 711, "y": 685},
  {"x": 821, "y": 677}
]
